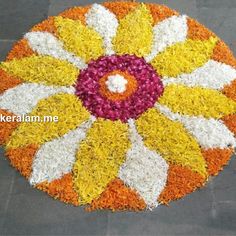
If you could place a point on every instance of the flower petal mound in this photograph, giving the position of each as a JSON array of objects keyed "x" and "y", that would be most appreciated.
[
  {"x": 70, "y": 114},
  {"x": 145, "y": 100},
  {"x": 197, "y": 101},
  {"x": 42, "y": 69},
  {"x": 183, "y": 57},
  {"x": 99, "y": 158},
  {"x": 171, "y": 140},
  {"x": 82, "y": 40},
  {"x": 134, "y": 34}
]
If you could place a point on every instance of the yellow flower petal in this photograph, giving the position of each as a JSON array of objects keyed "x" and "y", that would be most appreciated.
[
  {"x": 134, "y": 34},
  {"x": 69, "y": 110},
  {"x": 183, "y": 57},
  {"x": 197, "y": 101},
  {"x": 99, "y": 158},
  {"x": 84, "y": 41},
  {"x": 170, "y": 140},
  {"x": 42, "y": 69}
]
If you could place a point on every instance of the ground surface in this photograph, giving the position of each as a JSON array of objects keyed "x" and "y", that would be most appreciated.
[{"x": 26, "y": 211}]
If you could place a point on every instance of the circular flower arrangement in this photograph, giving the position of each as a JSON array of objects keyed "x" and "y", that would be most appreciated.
[{"x": 145, "y": 100}]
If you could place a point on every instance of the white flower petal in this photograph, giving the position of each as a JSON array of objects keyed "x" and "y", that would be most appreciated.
[
  {"x": 45, "y": 43},
  {"x": 56, "y": 158},
  {"x": 210, "y": 133},
  {"x": 168, "y": 32},
  {"x": 213, "y": 75},
  {"x": 144, "y": 170},
  {"x": 23, "y": 98},
  {"x": 105, "y": 23}
]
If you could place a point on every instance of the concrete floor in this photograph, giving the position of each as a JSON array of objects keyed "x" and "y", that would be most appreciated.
[{"x": 26, "y": 211}]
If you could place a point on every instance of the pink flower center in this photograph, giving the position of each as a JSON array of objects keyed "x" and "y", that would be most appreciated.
[{"x": 119, "y": 87}]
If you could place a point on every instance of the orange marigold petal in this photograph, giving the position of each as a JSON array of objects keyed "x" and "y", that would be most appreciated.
[
  {"x": 230, "y": 90},
  {"x": 180, "y": 181},
  {"x": 197, "y": 31},
  {"x": 222, "y": 53},
  {"x": 19, "y": 50},
  {"x": 120, "y": 9},
  {"x": 61, "y": 189},
  {"x": 76, "y": 13},
  {"x": 160, "y": 12},
  {"x": 230, "y": 122},
  {"x": 6, "y": 128},
  {"x": 22, "y": 158},
  {"x": 216, "y": 158},
  {"x": 46, "y": 25},
  {"x": 7, "y": 81},
  {"x": 118, "y": 197}
]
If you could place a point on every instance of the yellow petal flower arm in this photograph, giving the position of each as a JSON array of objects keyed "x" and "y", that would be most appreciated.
[
  {"x": 135, "y": 34},
  {"x": 67, "y": 107},
  {"x": 81, "y": 40},
  {"x": 99, "y": 157},
  {"x": 183, "y": 57},
  {"x": 45, "y": 43},
  {"x": 105, "y": 23},
  {"x": 171, "y": 140},
  {"x": 42, "y": 69},
  {"x": 197, "y": 101}
]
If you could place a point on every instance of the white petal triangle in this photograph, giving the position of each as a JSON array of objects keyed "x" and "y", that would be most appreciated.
[
  {"x": 105, "y": 23},
  {"x": 213, "y": 75},
  {"x": 23, "y": 98},
  {"x": 168, "y": 32},
  {"x": 144, "y": 170},
  {"x": 56, "y": 158},
  {"x": 45, "y": 43},
  {"x": 210, "y": 133}
]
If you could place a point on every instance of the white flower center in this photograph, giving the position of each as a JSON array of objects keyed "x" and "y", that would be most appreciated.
[{"x": 116, "y": 83}]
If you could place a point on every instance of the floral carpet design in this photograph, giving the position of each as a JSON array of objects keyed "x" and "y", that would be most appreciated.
[{"x": 145, "y": 99}]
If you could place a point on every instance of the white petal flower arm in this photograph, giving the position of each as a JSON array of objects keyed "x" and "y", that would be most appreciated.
[
  {"x": 105, "y": 23},
  {"x": 168, "y": 32},
  {"x": 144, "y": 170},
  {"x": 56, "y": 158},
  {"x": 21, "y": 99},
  {"x": 209, "y": 133},
  {"x": 45, "y": 43},
  {"x": 213, "y": 75}
]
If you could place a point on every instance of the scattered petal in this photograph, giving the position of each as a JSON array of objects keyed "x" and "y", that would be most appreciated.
[
  {"x": 197, "y": 101},
  {"x": 134, "y": 33},
  {"x": 42, "y": 69},
  {"x": 20, "y": 50},
  {"x": 45, "y": 43},
  {"x": 183, "y": 57},
  {"x": 66, "y": 107},
  {"x": 213, "y": 75},
  {"x": 118, "y": 197},
  {"x": 56, "y": 158},
  {"x": 181, "y": 181},
  {"x": 170, "y": 139},
  {"x": 105, "y": 23},
  {"x": 166, "y": 33},
  {"x": 216, "y": 159},
  {"x": 23, "y": 98},
  {"x": 230, "y": 90},
  {"x": 99, "y": 158},
  {"x": 81, "y": 40},
  {"x": 22, "y": 158},
  {"x": 6, "y": 128},
  {"x": 7, "y": 81},
  {"x": 144, "y": 170},
  {"x": 209, "y": 133},
  {"x": 61, "y": 189}
]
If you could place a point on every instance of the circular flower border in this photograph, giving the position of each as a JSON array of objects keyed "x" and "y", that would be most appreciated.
[{"x": 210, "y": 76}]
